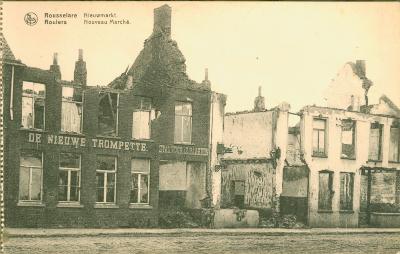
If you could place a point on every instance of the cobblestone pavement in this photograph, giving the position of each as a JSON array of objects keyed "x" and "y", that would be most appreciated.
[{"x": 208, "y": 243}]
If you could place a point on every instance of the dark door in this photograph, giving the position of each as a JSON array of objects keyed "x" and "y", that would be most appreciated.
[{"x": 294, "y": 198}]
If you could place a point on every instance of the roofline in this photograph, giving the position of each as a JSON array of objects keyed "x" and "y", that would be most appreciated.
[
  {"x": 344, "y": 110},
  {"x": 13, "y": 62}
]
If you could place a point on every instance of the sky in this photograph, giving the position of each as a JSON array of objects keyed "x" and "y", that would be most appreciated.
[{"x": 291, "y": 49}]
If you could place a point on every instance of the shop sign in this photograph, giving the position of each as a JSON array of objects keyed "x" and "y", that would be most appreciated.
[
  {"x": 76, "y": 141},
  {"x": 188, "y": 150}
]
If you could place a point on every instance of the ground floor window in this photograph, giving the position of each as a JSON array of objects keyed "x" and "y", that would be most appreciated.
[
  {"x": 325, "y": 193},
  {"x": 30, "y": 175},
  {"x": 140, "y": 180},
  {"x": 106, "y": 178},
  {"x": 238, "y": 193},
  {"x": 69, "y": 177},
  {"x": 346, "y": 191}
]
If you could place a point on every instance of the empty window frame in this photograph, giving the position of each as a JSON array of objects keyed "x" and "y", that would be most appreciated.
[
  {"x": 141, "y": 119},
  {"x": 325, "y": 192},
  {"x": 140, "y": 181},
  {"x": 348, "y": 139},
  {"x": 319, "y": 137},
  {"x": 108, "y": 114},
  {"x": 346, "y": 191},
  {"x": 394, "y": 143},
  {"x": 183, "y": 122},
  {"x": 30, "y": 175},
  {"x": 106, "y": 178},
  {"x": 33, "y": 105},
  {"x": 238, "y": 193},
  {"x": 71, "y": 109},
  {"x": 375, "y": 142},
  {"x": 69, "y": 177}
]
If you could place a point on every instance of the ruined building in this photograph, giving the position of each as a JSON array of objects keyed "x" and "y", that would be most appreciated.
[
  {"x": 337, "y": 167},
  {"x": 78, "y": 155}
]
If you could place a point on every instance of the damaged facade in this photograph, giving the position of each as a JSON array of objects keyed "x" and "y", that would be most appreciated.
[
  {"x": 337, "y": 167},
  {"x": 252, "y": 168},
  {"x": 154, "y": 140},
  {"x": 109, "y": 156}
]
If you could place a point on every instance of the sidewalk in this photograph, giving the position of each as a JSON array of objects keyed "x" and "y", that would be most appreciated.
[{"x": 73, "y": 232}]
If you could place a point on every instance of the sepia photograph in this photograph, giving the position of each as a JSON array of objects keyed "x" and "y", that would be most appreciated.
[{"x": 200, "y": 127}]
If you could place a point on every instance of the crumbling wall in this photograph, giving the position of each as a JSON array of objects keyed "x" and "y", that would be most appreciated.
[
  {"x": 249, "y": 134},
  {"x": 259, "y": 181}
]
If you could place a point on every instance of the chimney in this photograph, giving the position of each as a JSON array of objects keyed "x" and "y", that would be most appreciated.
[
  {"x": 360, "y": 65},
  {"x": 80, "y": 73},
  {"x": 162, "y": 20},
  {"x": 259, "y": 102},
  {"x": 206, "y": 82},
  {"x": 55, "y": 68}
]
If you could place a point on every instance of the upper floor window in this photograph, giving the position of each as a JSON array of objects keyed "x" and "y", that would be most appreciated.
[
  {"x": 319, "y": 137},
  {"x": 394, "y": 143},
  {"x": 106, "y": 178},
  {"x": 140, "y": 178},
  {"x": 375, "y": 142},
  {"x": 141, "y": 119},
  {"x": 69, "y": 175},
  {"x": 108, "y": 114},
  {"x": 183, "y": 122},
  {"x": 71, "y": 110},
  {"x": 346, "y": 191},
  {"x": 348, "y": 139},
  {"x": 33, "y": 101},
  {"x": 30, "y": 175},
  {"x": 325, "y": 193}
]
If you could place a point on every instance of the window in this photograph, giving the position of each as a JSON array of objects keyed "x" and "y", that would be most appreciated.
[
  {"x": 326, "y": 192},
  {"x": 141, "y": 119},
  {"x": 140, "y": 179},
  {"x": 108, "y": 114},
  {"x": 69, "y": 177},
  {"x": 106, "y": 178},
  {"x": 348, "y": 139},
  {"x": 33, "y": 100},
  {"x": 183, "y": 122},
  {"x": 375, "y": 142},
  {"x": 30, "y": 176},
  {"x": 346, "y": 191},
  {"x": 71, "y": 120},
  {"x": 319, "y": 131},
  {"x": 394, "y": 143},
  {"x": 238, "y": 193}
]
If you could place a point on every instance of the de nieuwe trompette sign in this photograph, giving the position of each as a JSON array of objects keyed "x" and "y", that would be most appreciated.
[{"x": 104, "y": 143}]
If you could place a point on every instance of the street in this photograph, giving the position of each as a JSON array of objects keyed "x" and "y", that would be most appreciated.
[{"x": 208, "y": 243}]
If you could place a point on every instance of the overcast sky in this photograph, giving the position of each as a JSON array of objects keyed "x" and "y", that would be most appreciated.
[{"x": 292, "y": 50}]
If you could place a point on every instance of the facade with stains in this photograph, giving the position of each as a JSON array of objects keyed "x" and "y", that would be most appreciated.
[
  {"x": 337, "y": 167},
  {"x": 109, "y": 156},
  {"x": 352, "y": 151},
  {"x": 353, "y": 165},
  {"x": 252, "y": 168}
]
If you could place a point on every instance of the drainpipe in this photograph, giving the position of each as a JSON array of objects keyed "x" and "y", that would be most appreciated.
[
  {"x": 209, "y": 190},
  {"x": 369, "y": 187},
  {"x": 12, "y": 94}
]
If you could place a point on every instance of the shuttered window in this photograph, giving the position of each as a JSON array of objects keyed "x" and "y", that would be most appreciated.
[
  {"x": 346, "y": 191},
  {"x": 375, "y": 142},
  {"x": 325, "y": 192},
  {"x": 394, "y": 144}
]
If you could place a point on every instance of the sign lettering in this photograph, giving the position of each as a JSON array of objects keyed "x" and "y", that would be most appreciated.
[
  {"x": 81, "y": 142},
  {"x": 189, "y": 150}
]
